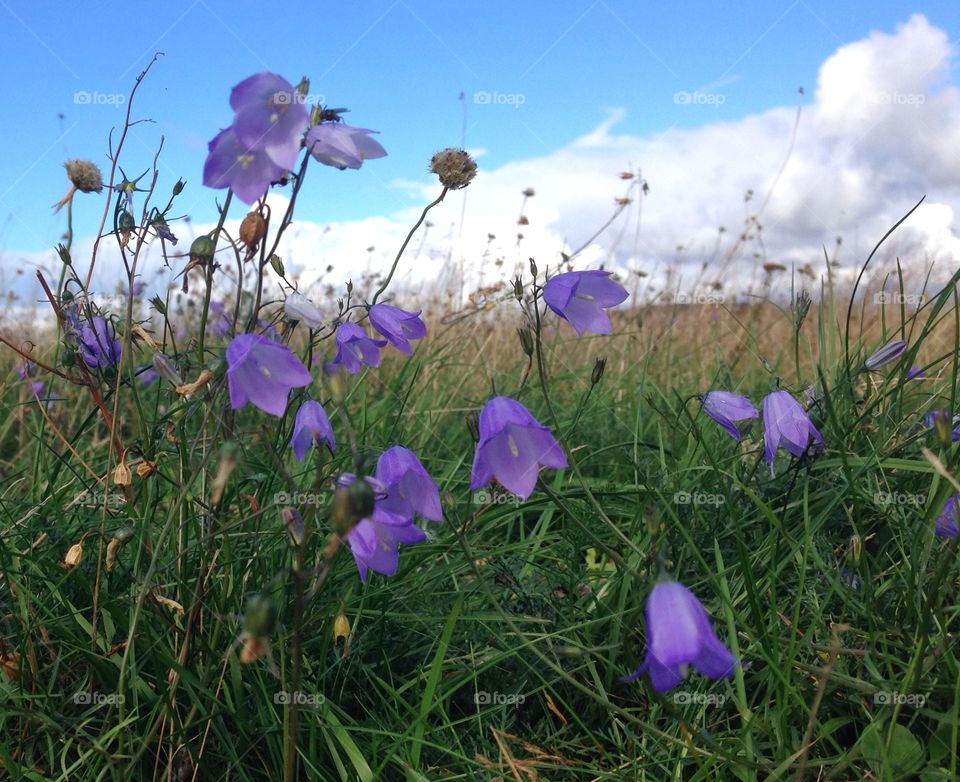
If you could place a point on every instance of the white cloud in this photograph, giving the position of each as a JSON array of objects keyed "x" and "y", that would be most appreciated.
[{"x": 880, "y": 130}]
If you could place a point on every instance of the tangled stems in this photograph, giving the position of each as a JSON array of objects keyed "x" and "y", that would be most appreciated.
[{"x": 396, "y": 261}]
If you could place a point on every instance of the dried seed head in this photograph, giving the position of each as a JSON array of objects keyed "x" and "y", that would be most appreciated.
[
  {"x": 121, "y": 474},
  {"x": 84, "y": 175},
  {"x": 252, "y": 230},
  {"x": 454, "y": 167},
  {"x": 74, "y": 555}
]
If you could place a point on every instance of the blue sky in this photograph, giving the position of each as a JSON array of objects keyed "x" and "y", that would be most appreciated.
[{"x": 399, "y": 65}]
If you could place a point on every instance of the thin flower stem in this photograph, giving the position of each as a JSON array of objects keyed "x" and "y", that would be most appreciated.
[
  {"x": 209, "y": 278},
  {"x": 396, "y": 261}
]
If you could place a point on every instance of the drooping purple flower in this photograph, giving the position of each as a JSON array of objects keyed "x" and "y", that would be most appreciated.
[
  {"x": 786, "y": 423},
  {"x": 248, "y": 172},
  {"x": 725, "y": 407},
  {"x": 98, "y": 344},
  {"x": 373, "y": 540},
  {"x": 270, "y": 117},
  {"x": 943, "y": 422},
  {"x": 947, "y": 526},
  {"x": 298, "y": 307},
  {"x": 581, "y": 297},
  {"x": 356, "y": 348},
  {"x": 410, "y": 489},
  {"x": 222, "y": 325},
  {"x": 147, "y": 375},
  {"x": 679, "y": 634},
  {"x": 37, "y": 387},
  {"x": 342, "y": 146},
  {"x": 26, "y": 369},
  {"x": 886, "y": 355},
  {"x": 262, "y": 372},
  {"x": 915, "y": 373},
  {"x": 310, "y": 426},
  {"x": 513, "y": 446},
  {"x": 398, "y": 326}
]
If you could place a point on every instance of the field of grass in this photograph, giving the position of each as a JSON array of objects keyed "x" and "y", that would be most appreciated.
[{"x": 165, "y": 615}]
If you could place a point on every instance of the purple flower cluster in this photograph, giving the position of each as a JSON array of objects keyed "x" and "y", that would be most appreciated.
[
  {"x": 263, "y": 142},
  {"x": 785, "y": 423},
  {"x": 402, "y": 489},
  {"x": 356, "y": 348},
  {"x": 96, "y": 340}
]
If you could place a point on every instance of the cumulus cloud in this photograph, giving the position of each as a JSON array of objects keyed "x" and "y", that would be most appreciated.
[{"x": 880, "y": 130}]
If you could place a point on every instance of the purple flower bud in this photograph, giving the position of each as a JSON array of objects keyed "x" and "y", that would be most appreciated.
[
  {"x": 262, "y": 372},
  {"x": 679, "y": 634},
  {"x": 355, "y": 348},
  {"x": 946, "y": 426},
  {"x": 311, "y": 425},
  {"x": 299, "y": 307},
  {"x": 786, "y": 423},
  {"x": 725, "y": 407},
  {"x": 915, "y": 373},
  {"x": 342, "y": 146},
  {"x": 947, "y": 520},
  {"x": 513, "y": 446},
  {"x": 886, "y": 355},
  {"x": 398, "y": 326},
  {"x": 581, "y": 297},
  {"x": 98, "y": 344}
]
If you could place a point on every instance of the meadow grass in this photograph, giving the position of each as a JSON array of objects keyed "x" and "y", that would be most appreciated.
[{"x": 496, "y": 650}]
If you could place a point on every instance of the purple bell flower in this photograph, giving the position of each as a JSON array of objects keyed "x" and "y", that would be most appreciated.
[
  {"x": 725, "y": 407},
  {"x": 410, "y": 489},
  {"x": 356, "y": 348},
  {"x": 98, "y": 344},
  {"x": 270, "y": 117},
  {"x": 248, "y": 172},
  {"x": 947, "y": 520},
  {"x": 311, "y": 425},
  {"x": 915, "y": 373},
  {"x": 342, "y": 146},
  {"x": 398, "y": 326},
  {"x": 262, "y": 372},
  {"x": 679, "y": 634},
  {"x": 513, "y": 446},
  {"x": 786, "y": 423},
  {"x": 581, "y": 297}
]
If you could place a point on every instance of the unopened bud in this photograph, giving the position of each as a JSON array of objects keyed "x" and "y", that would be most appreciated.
[
  {"x": 526, "y": 339},
  {"x": 64, "y": 254},
  {"x": 202, "y": 249},
  {"x": 598, "y": 367},
  {"x": 886, "y": 355},
  {"x": 166, "y": 369},
  {"x": 178, "y": 187},
  {"x": 260, "y": 618},
  {"x": 533, "y": 268},
  {"x": 856, "y": 549},
  {"x": 159, "y": 305},
  {"x": 518, "y": 288}
]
